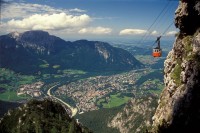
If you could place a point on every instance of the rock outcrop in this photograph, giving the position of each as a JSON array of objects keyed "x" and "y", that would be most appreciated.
[
  {"x": 179, "y": 104},
  {"x": 136, "y": 115}
]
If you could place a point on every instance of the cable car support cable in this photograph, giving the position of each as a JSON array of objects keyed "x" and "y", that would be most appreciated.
[{"x": 165, "y": 7}]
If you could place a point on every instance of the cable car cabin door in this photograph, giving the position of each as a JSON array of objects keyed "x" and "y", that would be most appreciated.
[{"x": 157, "y": 52}]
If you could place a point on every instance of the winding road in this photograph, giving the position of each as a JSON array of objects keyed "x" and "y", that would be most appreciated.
[{"x": 73, "y": 110}]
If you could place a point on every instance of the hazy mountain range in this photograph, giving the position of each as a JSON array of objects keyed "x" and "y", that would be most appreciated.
[{"x": 34, "y": 51}]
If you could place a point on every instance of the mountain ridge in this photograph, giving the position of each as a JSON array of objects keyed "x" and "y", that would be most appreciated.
[
  {"x": 40, "y": 116},
  {"x": 31, "y": 49}
]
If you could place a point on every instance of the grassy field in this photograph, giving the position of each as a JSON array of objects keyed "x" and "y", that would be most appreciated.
[
  {"x": 10, "y": 81},
  {"x": 44, "y": 65},
  {"x": 11, "y": 96},
  {"x": 26, "y": 79},
  {"x": 114, "y": 101},
  {"x": 56, "y": 66},
  {"x": 158, "y": 92},
  {"x": 154, "y": 86},
  {"x": 70, "y": 71},
  {"x": 63, "y": 73}
]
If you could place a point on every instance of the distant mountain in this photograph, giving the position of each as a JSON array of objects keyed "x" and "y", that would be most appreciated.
[
  {"x": 40, "y": 117},
  {"x": 30, "y": 51}
]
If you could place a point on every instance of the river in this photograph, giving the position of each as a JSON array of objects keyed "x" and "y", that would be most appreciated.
[{"x": 73, "y": 110}]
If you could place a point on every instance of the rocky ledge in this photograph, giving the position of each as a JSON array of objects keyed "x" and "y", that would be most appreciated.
[{"x": 178, "y": 109}]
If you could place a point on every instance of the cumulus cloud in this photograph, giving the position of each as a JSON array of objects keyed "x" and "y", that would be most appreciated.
[
  {"x": 22, "y": 10},
  {"x": 95, "y": 30},
  {"x": 19, "y": 16},
  {"x": 49, "y": 22},
  {"x": 133, "y": 32},
  {"x": 171, "y": 33}
]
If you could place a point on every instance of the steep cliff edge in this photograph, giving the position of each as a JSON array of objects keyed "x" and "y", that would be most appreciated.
[
  {"x": 136, "y": 115},
  {"x": 179, "y": 104}
]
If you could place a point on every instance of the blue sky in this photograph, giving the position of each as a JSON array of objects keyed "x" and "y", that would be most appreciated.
[{"x": 90, "y": 19}]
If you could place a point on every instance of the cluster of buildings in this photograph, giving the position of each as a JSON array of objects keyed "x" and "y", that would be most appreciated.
[
  {"x": 148, "y": 85},
  {"x": 86, "y": 92},
  {"x": 31, "y": 89}
]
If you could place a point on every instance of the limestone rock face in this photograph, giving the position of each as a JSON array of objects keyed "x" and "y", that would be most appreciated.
[
  {"x": 179, "y": 104},
  {"x": 187, "y": 16},
  {"x": 136, "y": 115}
]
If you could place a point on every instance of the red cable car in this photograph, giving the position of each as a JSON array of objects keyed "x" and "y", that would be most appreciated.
[{"x": 157, "y": 51}]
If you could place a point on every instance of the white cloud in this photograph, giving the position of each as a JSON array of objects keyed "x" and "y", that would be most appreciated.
[
  {"x": 23, "y": 10},
  {"x": 154, "y": 33},
  {"x": 26, "y": 16},
  {"x": 95, "y": 30},
  {"x": 77, "y": 10},
  {"x": 132, "y": 32},
  {"x": 171, "y": 33},
  {"x": 50, "y": 22},
  {"x": 105, "y": 18}
]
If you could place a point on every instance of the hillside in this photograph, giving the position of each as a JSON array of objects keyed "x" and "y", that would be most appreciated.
[
  {"x": 5, "y": 106},
  {"x": 38, "y": 117},
  {"x": 34, "y": 51},
  {"x": 178, "y": 109},
  {"x": 135, "y": 116}
]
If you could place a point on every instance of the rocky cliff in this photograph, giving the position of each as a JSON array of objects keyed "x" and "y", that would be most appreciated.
[
  {"x": 136, "y": 115},
  {"x": 178, "y": 109}
]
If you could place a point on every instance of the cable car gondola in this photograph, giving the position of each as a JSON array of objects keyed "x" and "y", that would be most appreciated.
[{"x": 157, "y": 51}]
